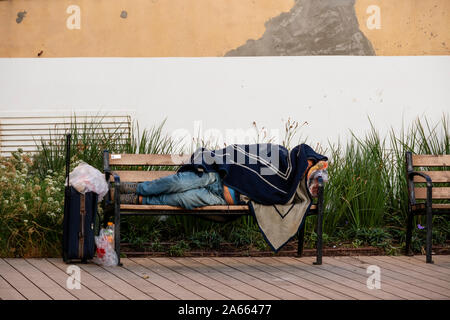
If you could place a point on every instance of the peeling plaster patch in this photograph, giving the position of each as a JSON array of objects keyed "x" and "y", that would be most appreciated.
[
  {"x": 311, "y": 27},
  {"x": 20, "y": 16},
  {"x": 124, "y": 14}
]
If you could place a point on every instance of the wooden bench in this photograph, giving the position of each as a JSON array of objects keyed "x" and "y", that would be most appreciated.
[
  {"x": 422, "y": 200},
  {"x": 114, "y": 166}
]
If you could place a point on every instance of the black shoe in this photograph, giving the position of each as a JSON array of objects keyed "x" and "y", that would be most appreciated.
[
  {"x": 128, "y": 187},
  {"x": 129, "y": 198}
]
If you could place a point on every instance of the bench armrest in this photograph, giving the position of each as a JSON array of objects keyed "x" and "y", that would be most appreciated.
[
  {"x": 423, "y": 175},
  {"x": 411, "y": 175}
]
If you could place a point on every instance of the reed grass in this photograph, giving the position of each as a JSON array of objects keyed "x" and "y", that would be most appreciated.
[{"x": 365, "y": 198}]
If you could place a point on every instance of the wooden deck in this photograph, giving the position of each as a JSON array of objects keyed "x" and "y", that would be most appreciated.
[{"x": 229, "y": 278}]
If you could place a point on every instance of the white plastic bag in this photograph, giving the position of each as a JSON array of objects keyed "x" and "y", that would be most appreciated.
[
  {"x": 85, "y": 178},
  {"x": 106, "y": 255}
]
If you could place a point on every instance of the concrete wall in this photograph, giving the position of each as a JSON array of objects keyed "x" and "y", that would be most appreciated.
[{"x": 333, "y": 94}]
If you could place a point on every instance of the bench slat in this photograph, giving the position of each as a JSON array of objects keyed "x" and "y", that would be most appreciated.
[
  {"x": 140, "y": 176},
  {"x": 420, "y": 160},
  {"x": 438, "y": 193},
  {"x": 147, "y": 159},
  {"x": 145, "y": 207},
  {"x": 441, "y": 206},
  {"x": 436, "y": 176}
]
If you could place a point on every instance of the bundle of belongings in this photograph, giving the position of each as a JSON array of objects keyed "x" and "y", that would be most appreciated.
[{"x": 277, "y": 184}]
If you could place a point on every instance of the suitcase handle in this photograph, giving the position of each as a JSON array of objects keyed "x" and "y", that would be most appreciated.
[
  {"x": 67, "y": 197},
  {"x": 68, "y": 138}
]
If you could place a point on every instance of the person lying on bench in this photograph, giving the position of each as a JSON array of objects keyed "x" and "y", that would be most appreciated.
[
  {"x": 190, "y": 190},
  {"x": 183, "y": 189}
]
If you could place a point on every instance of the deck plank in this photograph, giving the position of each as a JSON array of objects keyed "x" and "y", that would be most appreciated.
[
  {"x": 176, "y": 265},
  {"x": 8, "y": 292},
  {"x": 115, "y": 282},
  {"x": 441, "y": 263},
  {"x": 221, "y": 277},
  {"x": 89, "y": 283},
  {"x": 356, "y": 276},
  {"x": 430, "y": 274},
  {"x": 268, "y": 291},
  {"x": 254, "y": 276},
  {"x": 260, "y": 292},
  {"x": 243, "y": 278},
  {"x": 347, "y": 286},
  {"x": 415, "y": 285},
  {"x": 168, "y": 285},
  {"x": 41, "y": 280},
  {"x": 20, "y": 283},
  {"x": 203, "y": 291},
  {"x": 394, "y": 278},
  {"x": 60, "y": 276},
  {"x": 248, "y": 267},
  {"x": 200, "y": 293},
  {"x": 313, "y": 287},
  {"x": 133, "y": 279},
  {"x": 360, "y": 273},
  {"x": 350, "y": 278}
]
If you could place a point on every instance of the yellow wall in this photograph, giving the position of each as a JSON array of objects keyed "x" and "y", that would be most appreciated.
[
  {"x": 152, "y": 27},
  {"x": 195, "y": 28},
  {"x": 408, "y": 27}
]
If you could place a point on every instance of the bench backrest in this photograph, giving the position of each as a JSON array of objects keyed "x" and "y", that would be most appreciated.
[
  {"x": 142, "y": 160},
  {"x": 440, "y": 176}
]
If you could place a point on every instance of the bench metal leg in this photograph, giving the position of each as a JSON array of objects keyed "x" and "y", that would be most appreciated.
[
  {"x": 319, "y": 223},
  {"x": 409, "y": 227},
  {"x": 319, "y": 239},
  {"x": 301, "y": 238},
  {"x": 429, "y": 232},
  {"x": 117, "y": 234},
  {"x": 117, "y": 220}
]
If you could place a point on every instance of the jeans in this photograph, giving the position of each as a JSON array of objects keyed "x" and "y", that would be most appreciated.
[{"x": 184, "y": 189}]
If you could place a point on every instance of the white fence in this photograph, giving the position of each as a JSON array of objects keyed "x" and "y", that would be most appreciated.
[{"x": 29, "y": 132}]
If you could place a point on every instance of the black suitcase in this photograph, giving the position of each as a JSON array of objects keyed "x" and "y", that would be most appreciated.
[{"x": 80, "y": 211}]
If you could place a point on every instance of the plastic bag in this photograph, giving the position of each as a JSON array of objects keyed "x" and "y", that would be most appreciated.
[
  {"x": 313, "y": 183},
  {"x": 85, "y": 178},
  {"x": 106, "y": 255},
  {"x": 316, "y": 171}
]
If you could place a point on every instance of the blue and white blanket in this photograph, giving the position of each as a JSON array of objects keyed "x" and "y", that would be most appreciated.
[{"x": 271, "y": 176}]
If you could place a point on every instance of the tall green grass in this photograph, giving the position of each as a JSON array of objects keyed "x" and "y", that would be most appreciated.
[
  {"x": 365, "y": 198},
  {"x": 89, "y": 139},
  {"x": 367, "y": 187}
]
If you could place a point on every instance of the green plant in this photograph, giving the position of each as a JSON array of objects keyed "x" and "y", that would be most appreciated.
[
  {"x": 89, "y": 139},
  {"x": 247, "y": 235},
  {"x": 356, "y": 191},
  {"x": 30, "y": 209},
  {"x": 156, "y": 246},
  {"x": 365, "y": 199},
  {"x": 140, "y": 230},
  {"x": 178, "y": 249},
  {"x": 206, "y": 239}
]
